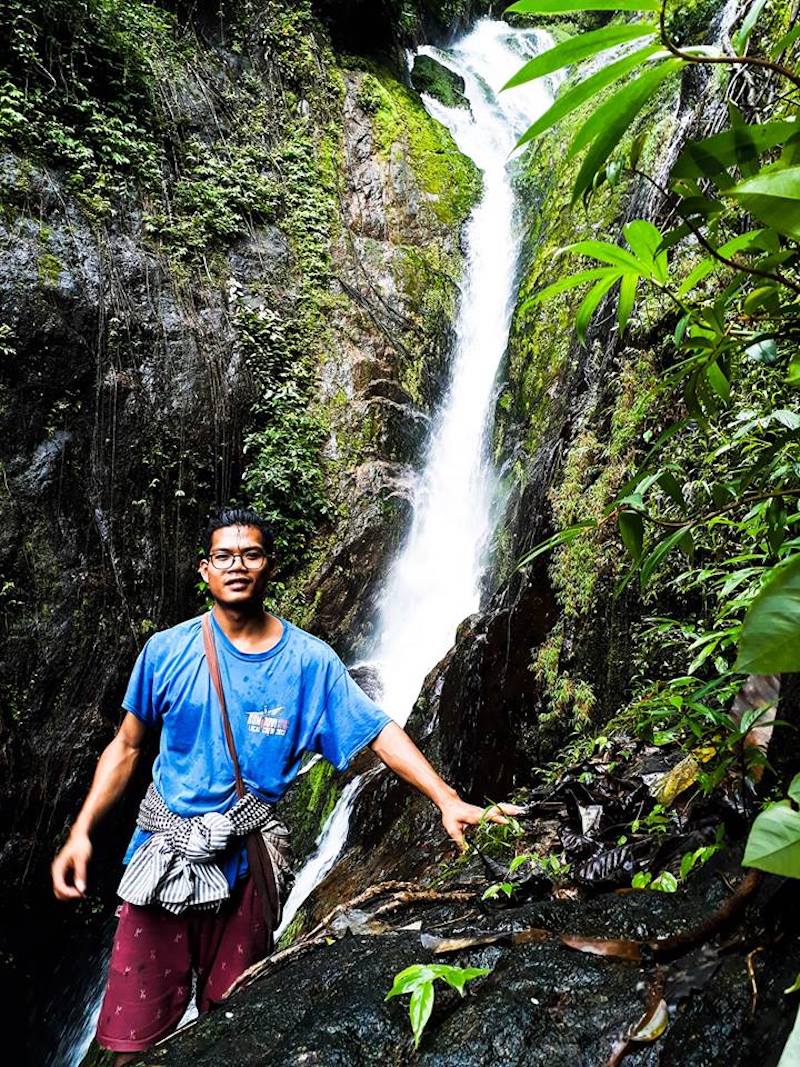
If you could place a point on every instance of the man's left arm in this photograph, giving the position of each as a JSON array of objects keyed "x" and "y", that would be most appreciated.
[{"x": 396, "y": 749}]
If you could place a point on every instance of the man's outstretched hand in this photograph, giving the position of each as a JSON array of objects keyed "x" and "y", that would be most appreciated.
[
  {"x": 70, "y": 867},
  {"x": 457, "y": 815}
]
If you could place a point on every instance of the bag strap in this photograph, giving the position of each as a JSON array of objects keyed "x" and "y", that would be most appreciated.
[
  {"x": 257, "y": 854},
  {"x": 210, "y": 647}
]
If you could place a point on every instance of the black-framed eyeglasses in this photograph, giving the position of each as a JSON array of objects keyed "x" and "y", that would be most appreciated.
[{"x": 253, "y": 559}]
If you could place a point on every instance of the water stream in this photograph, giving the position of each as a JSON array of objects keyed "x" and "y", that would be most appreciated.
[{"x": 434, "y": 582}]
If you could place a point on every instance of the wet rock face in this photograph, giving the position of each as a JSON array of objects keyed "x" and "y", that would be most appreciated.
[
  {"x": 429, "y": 76},
  {"x": 388, "y": 343},
  {"x": 542, "y": 1004}
]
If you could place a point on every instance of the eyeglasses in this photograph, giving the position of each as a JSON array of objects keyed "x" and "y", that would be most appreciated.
[{"x": 253, "y": 559}]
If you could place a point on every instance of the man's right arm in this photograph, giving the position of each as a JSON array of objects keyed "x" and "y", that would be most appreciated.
[{"x": 113, "y": 772}]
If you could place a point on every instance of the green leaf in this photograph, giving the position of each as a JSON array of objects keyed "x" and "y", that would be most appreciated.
[
  {"x": 713, "y": 155},
  {"x": 793, "y": 372},
  {"x": 561, "y": 7},
  {"x": 665, "y": 882},
  {"x": 710, "y": 263},
  {"x": 770, "y": 638},
  {"x": 590, "y": 303},
  {"x": 646, "y": 240},
  {"x": 563, "y": 537},
  {"x": 718, "y": 382},
  {"x": 606, "y": 127},
  {"x": 457, "y": 977},
  {"x": 785, "y": 42},
  {"x": 627, "y": 296},
  {"x": 570, "y": 282},
  {"x": 671, "y": 487},
  {"x": 408, "y": 979},
  {"x": 739, "y": 39},
  {"x": 607, "y": 253},
  {"x": 419, "y": 1009},
  {"x": 759, "y": 298},
  {"x": 774, "y": 842},
  {"x": 574, "y": 49},
  {"x": 793, "y": 792},
  {"x": 568, "y": 101},
  {"x": 772, "y": 196},
  {"x": 641, "y": 880},
  {"x": 659, "y": 553},
  {"x": 631, "y": 528}
]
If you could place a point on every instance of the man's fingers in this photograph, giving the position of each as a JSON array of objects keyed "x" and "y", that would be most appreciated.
[
  {"x": 497, "y": 812},
  {"x": 69, "y": 871},
  {"x": 61, "y": 871},
  {"x": 79, "y": 877}
]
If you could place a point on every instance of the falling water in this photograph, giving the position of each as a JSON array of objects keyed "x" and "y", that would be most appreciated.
[{"x": 434, "y": 582}]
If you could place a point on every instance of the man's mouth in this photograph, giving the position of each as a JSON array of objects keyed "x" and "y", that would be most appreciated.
[{"x": 237, "y": 583}]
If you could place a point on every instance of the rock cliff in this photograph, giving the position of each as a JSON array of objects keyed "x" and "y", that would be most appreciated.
[{"x": 230, "y": 261}]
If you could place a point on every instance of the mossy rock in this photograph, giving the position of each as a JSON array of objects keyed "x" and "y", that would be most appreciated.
[{"x": 431, "y": 77}]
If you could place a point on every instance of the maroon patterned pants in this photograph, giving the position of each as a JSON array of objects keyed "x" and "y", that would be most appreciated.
[{"x": 155, "y": 954}]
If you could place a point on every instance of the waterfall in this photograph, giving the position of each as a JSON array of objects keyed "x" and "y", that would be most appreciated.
[{"x": 434, "y": 582}]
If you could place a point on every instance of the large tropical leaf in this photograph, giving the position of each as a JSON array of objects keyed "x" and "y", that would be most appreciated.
[
  {"x": 606, "y": 253},
  {"x": 568, "y": 101},
  {"x": 561, "y": 7},
  {"x": 739, "y": 145},
  {"x": 627, "y": 295},
  {"x": 610, "y": 121},
  {"x": 645, "y": 241},
  {"x": 574, "y": 49},
  {"x": 591, "y": 301},
  {"x": 563, "y": 284},
  {"x": 739, "y": 39},
  {"x": 710, "y": 263},
  {"x": 772, "y": 196},
  {"x": 774, "y": 841},
  {"x": 770, "y": 638}
]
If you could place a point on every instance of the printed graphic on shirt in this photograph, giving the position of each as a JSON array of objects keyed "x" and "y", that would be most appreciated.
[{"x": 267, "y": 722}]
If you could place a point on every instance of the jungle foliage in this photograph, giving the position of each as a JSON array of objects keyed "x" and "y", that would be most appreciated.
[{"x": 712, "y": 509}]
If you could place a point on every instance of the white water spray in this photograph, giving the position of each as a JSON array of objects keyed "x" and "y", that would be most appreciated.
[{"x": 435, "y": 581}]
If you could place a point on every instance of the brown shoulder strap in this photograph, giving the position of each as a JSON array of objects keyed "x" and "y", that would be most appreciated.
[
  {"x": 210, "y": 647},
  {"x": 258, "y": 857}
]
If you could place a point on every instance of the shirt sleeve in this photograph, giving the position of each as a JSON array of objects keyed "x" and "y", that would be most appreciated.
[
  {"x": 349, "y": 721},
  {"x": 140, "y": 695}
]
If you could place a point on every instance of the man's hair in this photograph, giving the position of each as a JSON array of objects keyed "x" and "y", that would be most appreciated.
[{"x": 239, "y": 516}]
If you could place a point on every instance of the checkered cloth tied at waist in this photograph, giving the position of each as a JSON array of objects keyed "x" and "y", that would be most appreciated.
[{"x": 178, "y": 866}]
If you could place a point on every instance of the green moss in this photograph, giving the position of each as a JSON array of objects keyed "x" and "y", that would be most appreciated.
[
  {"x": 450, "y": 180},
  {"x": 312, "y": 799},
  {"x": 429, "y": 76},
  {"x": 292, "y": 931},
  {"x": 49, "y": 269},
  {"x": 570, "y": 700}
]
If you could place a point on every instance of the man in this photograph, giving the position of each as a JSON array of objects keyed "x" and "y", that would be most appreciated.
[{"x": 286, "y": 692}]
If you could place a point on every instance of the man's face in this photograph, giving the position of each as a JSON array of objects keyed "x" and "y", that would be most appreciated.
[{"x": 236, "y": 569}]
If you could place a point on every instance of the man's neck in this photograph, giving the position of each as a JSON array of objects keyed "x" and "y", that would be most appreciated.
[{"x": 250, "y": 627}]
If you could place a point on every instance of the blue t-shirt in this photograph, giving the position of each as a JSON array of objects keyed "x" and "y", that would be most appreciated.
[{"x": 296, "y": 697}]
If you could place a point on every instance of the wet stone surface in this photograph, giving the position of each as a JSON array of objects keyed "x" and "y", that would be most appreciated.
[{"x": 543, "y": 1003}]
